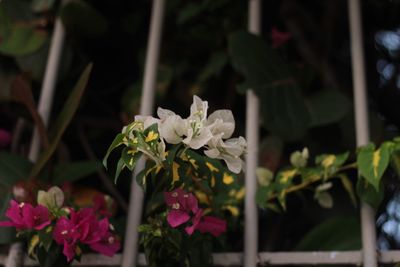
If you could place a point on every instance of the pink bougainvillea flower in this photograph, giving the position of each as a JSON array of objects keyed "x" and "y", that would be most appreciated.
[
  {"x": 195, "y": 222},
  {"x": 36, "y": 217},
  {"x": 279, "y": 38},
  {"x": 108, "y": 245},
  {"x": 181, "y": 204},
  {"x": 66, "y": 233},
  {"x": 212, "y": 225},
  {"x": 24, "y": 216},
  {"x": 104, "y": 205},
  {"x": 5, "y": 137}
]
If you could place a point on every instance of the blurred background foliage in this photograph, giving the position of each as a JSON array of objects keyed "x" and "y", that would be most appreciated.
[{"x": 299, "y": 67}]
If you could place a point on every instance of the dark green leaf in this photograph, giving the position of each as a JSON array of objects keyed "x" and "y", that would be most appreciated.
[
  {"x": 259, "y": 63},
  {"x": 13, "y": 168},
  {"x": 115, "y": 143},
  {"x": 65, "y": 117},
  {"x": 284, "y": 112},
  {"x": 348, "y": 186},
  {"x": 368, "y": 194},
  {"x": 214, "y": 65},
  {"x": 340, "y": 233},
  {"x": 120, "y": 166},
  {"x": 190, "y": 11},
  {"x": 73, "y": 171},
  {"x": 82, "y": 20},
  {"x": 130, "y": 157},
  {"x": 42, "y": 5},
  {"x": 22, "y": 40},
  {"x": 7, "y": 234},
  {"x": 327, "y": 106}
]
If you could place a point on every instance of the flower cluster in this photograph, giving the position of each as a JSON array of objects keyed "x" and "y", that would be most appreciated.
[
  {"x": 68, "y": 227},
  {"x": 148, "y": 135},
  {"x": 183, "y": 207}
]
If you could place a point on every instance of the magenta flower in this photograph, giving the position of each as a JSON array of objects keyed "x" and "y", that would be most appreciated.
[
  {"x": 212, "y": 225},
  {"x": 108, "y": 245},
  {"x": 5, "y": 138},
  {"x": 195, "y": 222},
  {"x": 85, "y": 228},
  {"x": 66, "y": 233},
  {"x": 279, "y": 38},
  {"x": 184, "y": 204},
  {"x": 104, "y": 205},
  {"x": 24, "y": 216},
  {"x": 181, "y": 204}
]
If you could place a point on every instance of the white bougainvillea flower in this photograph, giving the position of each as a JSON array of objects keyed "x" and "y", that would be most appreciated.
[
  {"x": 53, "y": 199},
  {"x": 229, "y": 151},
  {"x": 221, "y": 122},
  {"x": 146, "y": 120},
  {"x": 190, "y": 131},
  {"x": 172, "y": 127}
]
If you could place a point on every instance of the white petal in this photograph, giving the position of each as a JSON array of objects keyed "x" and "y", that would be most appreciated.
[
  {"x": 222, "y": 121},
  {"x": 172, "y": 129},
  {"x": 212, "y": 153},
  {"x": 164, "y": 113},
  {"x": 234, "y": 164},
  {"x": 198, "y": 110},
  {"x": 200, "y": 140},
  {"x": 147, "y": 120}
]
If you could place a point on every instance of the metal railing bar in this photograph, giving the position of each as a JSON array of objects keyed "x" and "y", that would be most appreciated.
[
  {"x": 129, "y": 257},
  {"x": 252, "y": 136},
  {"x": 368, "y": 230},
  {"x": 263, "y": 258}
]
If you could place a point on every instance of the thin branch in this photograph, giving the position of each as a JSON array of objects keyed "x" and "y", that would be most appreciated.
[{"x": 103, "y": 176}]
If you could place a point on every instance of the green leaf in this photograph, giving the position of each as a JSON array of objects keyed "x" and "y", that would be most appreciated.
[
  {"x": 348, "y": 186},
  {"x": 120, "y": 166},
  {"x": 257, "y": 61},
  {"x": 368, "y": 194},
  {"x": 65, "y": 117},
  {"x": 42, "y": 5},
  {"x": 118, "y": 140},
  {"x": 7, "y": 234},
  {"x": 214, "y": 66},
  {"x": 262, "y": 195},
  {"x": 82, "y": 20},
  {"x": 331, "y": 160},
  {"x": 190, "y": 11},
  {"x": 130, "y": 157},
  {"x": 22, "y": 40},
  {"x": 373, "y": 163},
  {"x": 75, "y": 170},
  {"x": 13, "y": 168},
  {"x": 339, "y": 233},
  {"x": 324, "y": 199},
  {"x": 327, "y": 106},
  {"x": 284, "y": 112}
]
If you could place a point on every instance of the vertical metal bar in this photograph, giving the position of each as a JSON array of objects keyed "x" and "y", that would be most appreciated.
[
  {"x": 49, "y": 83},
  {"x": 362, "y": 127},
  {"x": 129, "y": 257},
  {"x": 15, "y": 254},
  {"x": 252, "y": 129}
]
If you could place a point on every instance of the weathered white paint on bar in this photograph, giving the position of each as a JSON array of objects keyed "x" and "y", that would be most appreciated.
[
  {"x": 264, "y": 258},
  {"x": 362, "y": 125},
  {"x": 252, "y": 132},
  {"x": 146, "y": 108}
]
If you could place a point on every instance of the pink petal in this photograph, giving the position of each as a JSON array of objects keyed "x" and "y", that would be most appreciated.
[
  {"x": 69, "y": 251},
  {"x": 279, "y": 38},
  {"x": 195, "y": 221},
  {"x": 5, "y": 137},
  {"x": 173, "y": 196},
  {"x": 212, "y": 225},
  {"x": 108, "y": 246},
  {"x": 177, "y": 217}
]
